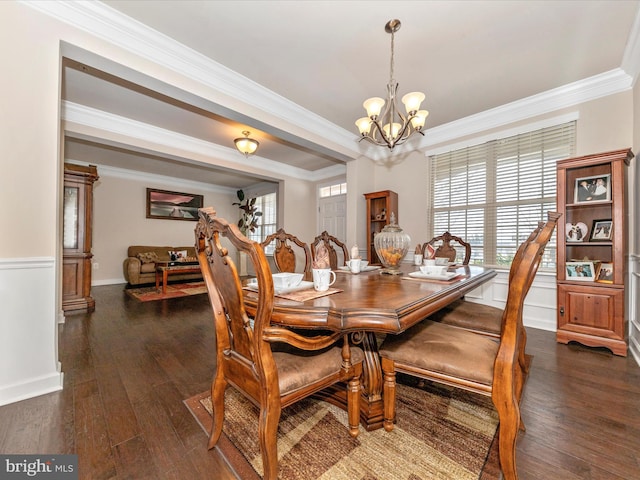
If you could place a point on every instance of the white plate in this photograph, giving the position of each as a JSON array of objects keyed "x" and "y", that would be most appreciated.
[
  {"x": 444, "y": 276},
  {"x": 303, "y": 285},
  {"x": 368, "y": 268}
]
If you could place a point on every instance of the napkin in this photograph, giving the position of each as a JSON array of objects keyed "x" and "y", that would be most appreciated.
[
  {"x": 429, "y": 252},
  {"x": 322, "y": 257}
]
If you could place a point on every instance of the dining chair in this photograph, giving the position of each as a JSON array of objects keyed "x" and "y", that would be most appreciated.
[
  {"x": 477, "y": 317},
  {"x": 330, "y": 242},
  {"x": 270, "y": 365},
  {"x": 285, "y": 257},
  {"x": 443, "y": 246},
  {"x": 452, "y": 356}
]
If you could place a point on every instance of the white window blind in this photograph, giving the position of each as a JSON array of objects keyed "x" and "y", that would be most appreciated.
[{"x": 494, "y": 194}]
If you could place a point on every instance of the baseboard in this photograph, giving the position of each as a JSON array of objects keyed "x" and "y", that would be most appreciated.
[
  {"x": 31, "y": 388},
  {"x": 108, "y": 281}
]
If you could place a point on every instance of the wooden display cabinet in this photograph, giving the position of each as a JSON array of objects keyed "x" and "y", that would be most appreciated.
[
  {"x": 592, "y": 250},
  {"x": 76, "y": 238},
  {"x": 380, "y": 205}
]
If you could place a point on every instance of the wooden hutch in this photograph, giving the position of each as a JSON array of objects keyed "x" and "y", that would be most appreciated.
[
  {"x": 592, "y": 250},
  {"x": 380, "y": 205},
  {"x": 76, "y": 238}
]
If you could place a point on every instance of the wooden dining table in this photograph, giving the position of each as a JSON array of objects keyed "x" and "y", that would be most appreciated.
[{"x": 368, "y": 306}]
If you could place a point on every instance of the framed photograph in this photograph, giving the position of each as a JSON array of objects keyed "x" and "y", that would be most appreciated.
[
  {"x": 605, "y": 273},
  {"x": 601, "y": 231},
  {"x": 592, "y": 189},
  {"x": 173, "y": 205},
  {"x": 583, "y": 271},
  {"x": 576, "y": 232}
]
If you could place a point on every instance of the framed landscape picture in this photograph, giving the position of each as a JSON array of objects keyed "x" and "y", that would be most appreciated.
[
  {"x": 602, "y": 230},
  {"x": 583, "y": 271},
  {"x": 173, "y": 205},
  {"x": 592, "y": 189}
]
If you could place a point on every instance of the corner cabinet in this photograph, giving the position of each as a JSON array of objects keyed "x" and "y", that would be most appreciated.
[
  {"x": 76, "y": 238},
  {"x": 592, "y": 250},
  {"x": 380, "y": 205}
]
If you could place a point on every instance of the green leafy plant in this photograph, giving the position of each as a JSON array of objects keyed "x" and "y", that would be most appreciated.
[{"x": 250, "y": 214}]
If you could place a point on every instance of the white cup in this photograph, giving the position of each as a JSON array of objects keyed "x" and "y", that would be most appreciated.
[
  {"x": 442, "y": 260},
  {"x": 354, "y": 265},
  {"x": 429, "y": 261},
  {"x": 323, "y": 278},
  {"x": 417, "y": 259}
]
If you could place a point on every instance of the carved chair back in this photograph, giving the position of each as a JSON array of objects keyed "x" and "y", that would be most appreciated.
[
  {"x": 446, "y": 250},
  {"x": 284, "y": 256},
  {"x": 330, "y": 242}
]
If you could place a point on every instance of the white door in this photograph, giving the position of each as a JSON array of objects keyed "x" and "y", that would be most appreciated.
[{"x": 332, "y": 216}]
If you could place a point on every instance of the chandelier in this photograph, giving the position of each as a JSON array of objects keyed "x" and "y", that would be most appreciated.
[
  {"x": 391, "y": 127},
  {"x": 245, "y": 145}
]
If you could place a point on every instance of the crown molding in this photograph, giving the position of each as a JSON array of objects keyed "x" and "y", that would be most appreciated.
[
  {"x": 631, "y": 57},
  {"x": 73, "y": 113},
  {"x": 145, "y": 177},
  {"x": 116, "y": 28},
  {"x": 131, "y": 35},
  {"x": 572, "y": 94}
]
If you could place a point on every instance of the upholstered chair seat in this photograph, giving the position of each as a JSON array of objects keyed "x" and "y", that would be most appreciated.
[
  {"x": 453, "y": 352},
  {"x": 475, "y": 317}
]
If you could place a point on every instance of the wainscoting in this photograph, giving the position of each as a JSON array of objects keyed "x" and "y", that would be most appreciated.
[
  {"x": 539, "y": 306},
  {"x": 29, "y": 340}
]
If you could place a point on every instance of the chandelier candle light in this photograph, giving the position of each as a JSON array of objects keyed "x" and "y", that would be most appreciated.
[{"x": 391, "y": 127}]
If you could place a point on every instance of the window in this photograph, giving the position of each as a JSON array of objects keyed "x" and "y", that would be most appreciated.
[
  {"x": 494, "y": 194},
  {"x": 333, "y": 190},
  {"x": 267, "y": 222}
]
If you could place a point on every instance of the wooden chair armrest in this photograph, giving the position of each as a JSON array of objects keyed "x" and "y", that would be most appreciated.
[{"x": 317, "y": 342}]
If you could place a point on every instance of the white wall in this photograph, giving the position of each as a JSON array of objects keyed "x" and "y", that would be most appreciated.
[{"x": 120, "y": 218}]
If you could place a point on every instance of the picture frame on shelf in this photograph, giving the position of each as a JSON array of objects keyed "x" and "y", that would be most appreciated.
[
  {"x": 605, "y": 273},
  {"x": 576, "y": 232},
  {"x": 581, "y": 271},
  {"x": 592, "y": 189},
  {"x": 167, "y": 205},
  {"x": 602, "y": 231}
]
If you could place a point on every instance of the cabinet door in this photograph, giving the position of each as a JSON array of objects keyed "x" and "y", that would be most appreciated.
[{"x": 591, "y": 315}]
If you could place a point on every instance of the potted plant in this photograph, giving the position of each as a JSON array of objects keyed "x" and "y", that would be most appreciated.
[
  {"x": 250, "y": 214},
  {"x": 247, "y": 223}
]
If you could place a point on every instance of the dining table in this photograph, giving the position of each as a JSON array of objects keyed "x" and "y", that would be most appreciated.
[{"x": 368, "y": 306}]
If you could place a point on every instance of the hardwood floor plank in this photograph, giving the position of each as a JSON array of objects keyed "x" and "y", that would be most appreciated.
[
  {"x": 129, "y": 366},
  {"x": 95, "y": 459}
]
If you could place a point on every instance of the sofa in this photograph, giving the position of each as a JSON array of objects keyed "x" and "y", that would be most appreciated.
[{"x": 140, "y": 264}]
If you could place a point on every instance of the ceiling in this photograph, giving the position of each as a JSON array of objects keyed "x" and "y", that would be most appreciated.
[{"x": 328, "y": 56}]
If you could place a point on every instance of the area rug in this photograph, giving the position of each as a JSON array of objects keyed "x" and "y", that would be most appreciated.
[
  {"x": 440, "y": 433},
  {"x": 174, "y": 290}
]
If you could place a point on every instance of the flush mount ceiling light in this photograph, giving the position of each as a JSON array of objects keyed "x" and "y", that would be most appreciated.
[
  {"x": 391, "y": 127},
  {"x": 245, "y": 145}
]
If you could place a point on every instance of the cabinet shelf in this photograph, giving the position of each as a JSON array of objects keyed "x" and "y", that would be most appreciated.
[
  {"x": 592, "y": 312},
  {"x": 380, "y": 206}
]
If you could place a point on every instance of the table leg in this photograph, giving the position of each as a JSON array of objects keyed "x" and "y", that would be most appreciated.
[
  {"x": 165, "y": 274},
  {"x": 371, "y": 406},
  {"x": 157, "y": 280}
]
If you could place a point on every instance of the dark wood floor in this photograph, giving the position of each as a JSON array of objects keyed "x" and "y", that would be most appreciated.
[{"x": 129, "y": 366}]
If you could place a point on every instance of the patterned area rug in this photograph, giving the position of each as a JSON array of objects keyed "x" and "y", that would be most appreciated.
[
  {"x": 440, "y": 433},
  {"x": 174, "y": 290}
]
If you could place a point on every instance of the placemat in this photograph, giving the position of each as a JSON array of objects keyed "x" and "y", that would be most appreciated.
[
  {"x": 434, "y": 280},
  {"x": 304, "y": 295}
]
